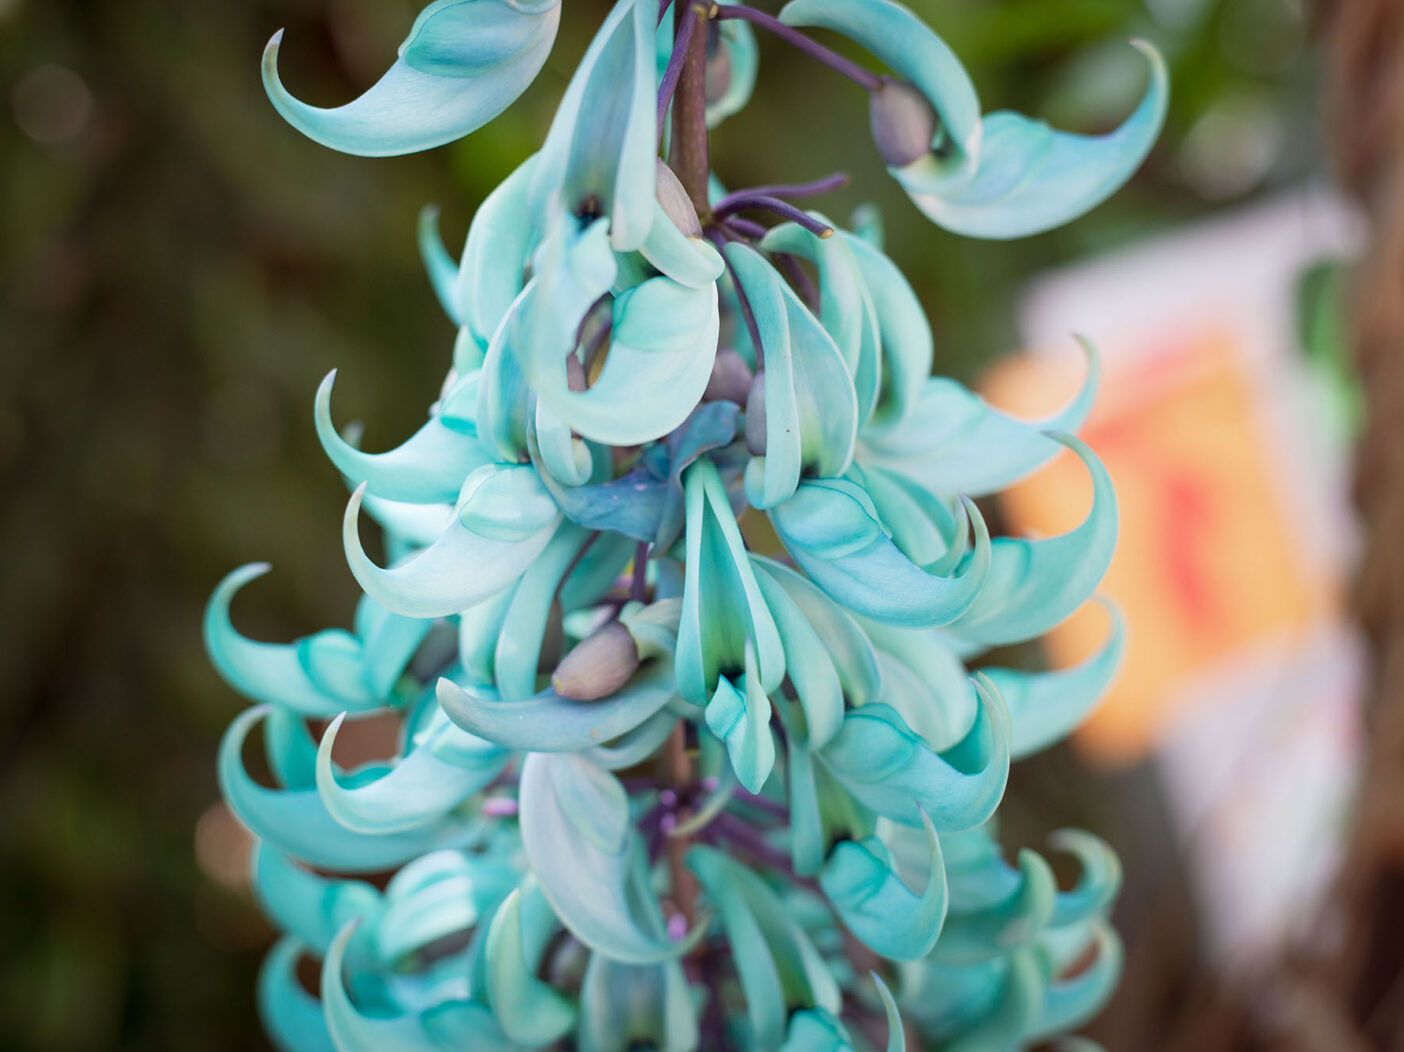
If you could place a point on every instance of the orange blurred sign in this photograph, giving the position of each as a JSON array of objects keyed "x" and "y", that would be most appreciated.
[{"x": 1205, "y": 564}]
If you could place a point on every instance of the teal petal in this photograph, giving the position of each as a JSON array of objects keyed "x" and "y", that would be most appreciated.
[
  {"x": 421, "y": 788},
  {"x": 581, "y": 846},
  {"x": 503, "y": 415},
  {"x": 711, "y": 426},
  {"x": 741, "y": 719},
  {"x": 896, "y": 1033},
  {"x": 438, "y": 895},
  {"x": 845, "y": 642},
  {"x": 807, "y": 832},
  {"x": 924, "y": 680},
  {"x": 832, "y": 530},
  {"x": 627, "y": 1006},
  {"x": 846, "y": 309},
  {"x": 500, "y": 242},
  {"x": 1031, "y": 178},
  {"x": 778, "y": 966},
  {"x": 1035, "y": 585},
  {"x": 723, "y": 609},
  {"x": 564, "y": 456},
  {"x": 1044, "y": 707},
  {"x": 636, "y": 745},
  {"x": 603, "y": 141},
  {"x": 952, "y": 442},
  {"x": 464, "y": 62},
  {"x": 995, "y": 928},
  {"x": 356, "y": 1031},
  {"x": 1097, "y": 887},
  {"x": 687, "y": 259},
  {"x": 517, "y": 651},
  {"x": 907, "y": 47},
  {"x": 429, "y": 468},
  {"x": 660, "y": 357},
  {"x": 632, "y": 504},
  {"x": 893, "y": 772},
  {"x": 877, "y": 907},
  {"x": 438, "y": 264},
  {"x": 319, "y": 675},
  {"x": 308, "y": 906},
  {"x": 811, "y": 1031},
  {"x": 743, "y": 56},
  {"x": 292, "y": 1016},
  {"x": 827, "y": 656},
  {"x": 1015, "y": 1011},
  {"x": 903, "y": 330},
  {"x": 1071, "y": 1002},
  {"x": 546, "y": 722},
  {"x": 527, "y": 1009},
  {"x": 811, "y": 411},
  {"x": 408, "y": 525},
  {"x": 504, "y": 524},
  {"x": 296, "y": 822}
]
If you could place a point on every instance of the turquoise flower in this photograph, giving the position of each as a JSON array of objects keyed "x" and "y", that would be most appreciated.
[{"x": 684, "y": 583}]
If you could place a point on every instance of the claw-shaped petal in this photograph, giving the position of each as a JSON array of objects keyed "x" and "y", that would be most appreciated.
[
  {"x": 778, "y": 965},
  {"x": 723, "y": 608},
  {"x": 836, "y": 536},
  {"x": 292, "y": 1016},
  {"x": 429, "y": 468},
  {"x": 950, "y": 441},
  {"x": 454, "y": 1024},
  {"x": 883, "y": 763},
  {"x": 529, "y": 1011},
  {"x": 599, "y": 153},
  {"x": 465, "y": 61},
  {"x": 1044, "y": 707},
  {"x": 1034, "y": 585},
  {"x": 809, "y": 406},
  {"x": 589, "y": 859},
  {"x": 319, "y": 675},
  {"x": 877, "y": 907},
  {"x": 442, "y": 770},
  {"x": 295, "y": 821},
  {"x": 505, "y": 521}
]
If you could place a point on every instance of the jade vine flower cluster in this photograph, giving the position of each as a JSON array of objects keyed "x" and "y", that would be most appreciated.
[{"x": 684, "y": 573}]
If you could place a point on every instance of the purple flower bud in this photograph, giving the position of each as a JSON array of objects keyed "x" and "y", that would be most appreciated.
[
  {"x": 678, "y": 206},
  {"x": 597, "y": 666},
  {"x": 903, "y": 122},
  {"x": 730, "y": 380}
]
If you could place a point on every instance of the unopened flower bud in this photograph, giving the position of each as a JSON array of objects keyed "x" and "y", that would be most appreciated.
[
  {"x": 730, "y": 380},
  {"x": 676, "y": 204},
  {"x": 755, "y": 416},
  {"x": 903, "y": 122},
  {"x": 598, "y": 666}
]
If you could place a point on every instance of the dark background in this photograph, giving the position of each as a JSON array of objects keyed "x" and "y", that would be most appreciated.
[{"x": 178, "y": 269}]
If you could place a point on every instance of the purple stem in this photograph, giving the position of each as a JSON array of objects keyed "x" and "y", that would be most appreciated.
[
  {"x": 826, "y": 185},
  {"x": 737, "y": 228},
  {"x": 836, "y": 62},
  {"x": 800, "y": 279},
  {"x": 745, "y": 202},
  {"x": 638, "y": 588},
  {"x": 681, "y": 44},
  {"x": 663, "y": 9},
  {"x": 717, "y": 238}
]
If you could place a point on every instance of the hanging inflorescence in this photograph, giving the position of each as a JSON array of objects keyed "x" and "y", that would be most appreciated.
[{"x": 663, "y": 781}]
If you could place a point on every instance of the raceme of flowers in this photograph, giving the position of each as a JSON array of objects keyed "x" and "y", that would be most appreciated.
[{"x": 682, "y": 576}]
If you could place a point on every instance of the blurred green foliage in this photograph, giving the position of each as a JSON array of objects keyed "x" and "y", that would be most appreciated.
[{"x": 179, "y": 269}]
